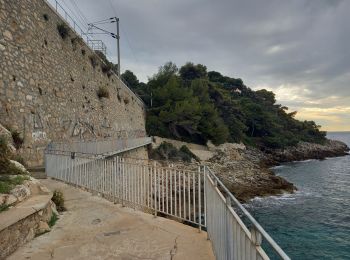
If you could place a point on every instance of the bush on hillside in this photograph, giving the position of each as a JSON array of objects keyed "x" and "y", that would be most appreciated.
[
  {"x": 167, "y": 151},
  {"x": 193, "y": 105},
  {"x": 63, "y": 30}
]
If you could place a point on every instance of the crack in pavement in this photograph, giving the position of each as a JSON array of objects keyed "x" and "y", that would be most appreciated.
[{"x": 174, "y": 249}]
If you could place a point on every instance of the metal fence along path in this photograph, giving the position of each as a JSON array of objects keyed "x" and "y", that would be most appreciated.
[
  {"x": 102, "y": 148},
  {"x": 193, "y": 195}
]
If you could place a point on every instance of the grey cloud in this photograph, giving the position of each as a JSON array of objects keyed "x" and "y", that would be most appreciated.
[{"x": 269, "y": 42}]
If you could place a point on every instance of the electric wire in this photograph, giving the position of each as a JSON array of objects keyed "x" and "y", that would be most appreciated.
[{"x": 124, "y": 33}]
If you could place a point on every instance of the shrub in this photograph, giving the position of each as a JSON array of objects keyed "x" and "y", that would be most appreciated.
[
  {"x": 58, "y": 199},
  {"x": 167, "y": 151},
  {"x": 63, "y": 30},
  {"x": 105, "y": 67},
  {"x": 17, "y": 139},
  {"x": 53, "y": 220},
  {"x": 184, "y": 149},
  {"x": 4, "y": 207},
  {"x": 7, "y": 183},
  {"x": 93, "y": 61},
  {"x": 102, "y": 92}
]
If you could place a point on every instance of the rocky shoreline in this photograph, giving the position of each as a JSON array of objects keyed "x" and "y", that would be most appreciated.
[
  {"x": 305, "y": 151},
  {"x": 246, "y": 171}
]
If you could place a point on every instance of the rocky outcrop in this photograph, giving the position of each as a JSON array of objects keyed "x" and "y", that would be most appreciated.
[
  {"x": 22, "y": 192},
  {"x": 243, "y": 173},
  {"x": 305, "y": 151}
]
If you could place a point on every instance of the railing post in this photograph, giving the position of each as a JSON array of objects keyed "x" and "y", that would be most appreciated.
[
  {"x": 227, "y": 230},
  {"x": 155, "y": 190},
  {"x": 114, "y": 180},
  {"x": 199, "y": 200},
  {"x": 123, "y": 180},
  {"x": 255, "y": 236}
]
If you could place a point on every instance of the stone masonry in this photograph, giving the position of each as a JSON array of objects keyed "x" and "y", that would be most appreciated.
[{"x": 48, "y": 85}]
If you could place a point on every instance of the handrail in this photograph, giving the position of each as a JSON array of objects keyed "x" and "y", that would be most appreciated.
[
  {"x": 99, "y": 147},
  {"x": 268, "y": 238}
]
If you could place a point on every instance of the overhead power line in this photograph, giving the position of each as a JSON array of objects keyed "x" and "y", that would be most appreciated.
[{"x": 124, "y": 33}]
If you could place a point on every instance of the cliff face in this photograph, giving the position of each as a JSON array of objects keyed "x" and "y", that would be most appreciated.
[{"x": 49, "y": 84}]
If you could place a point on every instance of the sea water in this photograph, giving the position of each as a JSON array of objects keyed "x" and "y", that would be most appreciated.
[{"x": 313, "y": 223}]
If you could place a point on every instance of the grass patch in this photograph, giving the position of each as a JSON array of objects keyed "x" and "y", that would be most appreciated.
[
  {"x": 7, "y": 183},
  {"x": 53, "y": 220},
  {"x": 58, "y": 199},
  {"x": 4, "y": 207},
  {"x": 103, "y": 92}
]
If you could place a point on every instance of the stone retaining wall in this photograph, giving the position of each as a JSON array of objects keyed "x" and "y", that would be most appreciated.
[
  {"x": 48, "y": 85},
  {"x": 22, "y": 224}
]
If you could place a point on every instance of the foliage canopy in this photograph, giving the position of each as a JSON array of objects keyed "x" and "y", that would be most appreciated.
[{"x": 191, "y": 104}]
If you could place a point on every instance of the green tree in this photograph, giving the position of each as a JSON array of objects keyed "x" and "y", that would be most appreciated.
[{"x": 190, "y": 71}]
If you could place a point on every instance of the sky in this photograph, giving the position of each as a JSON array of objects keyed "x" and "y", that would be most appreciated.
[{"x": 299, "y": 49}]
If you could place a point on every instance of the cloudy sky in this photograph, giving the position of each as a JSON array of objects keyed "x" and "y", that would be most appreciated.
[{"x": 299, "y": 49}]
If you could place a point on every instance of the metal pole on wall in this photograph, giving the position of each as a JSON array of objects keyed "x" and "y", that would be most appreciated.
[{"x": 118, "y": 46}]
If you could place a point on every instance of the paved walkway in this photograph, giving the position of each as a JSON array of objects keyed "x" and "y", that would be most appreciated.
[{"x": 94, "y": 228}]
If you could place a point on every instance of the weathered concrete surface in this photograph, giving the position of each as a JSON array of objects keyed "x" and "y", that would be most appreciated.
[{"x": 94, "y": 228}]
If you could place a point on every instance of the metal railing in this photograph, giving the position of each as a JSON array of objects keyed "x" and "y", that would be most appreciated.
[
  {"x": 98, "y": 45},
  {"x": 231, "y": 239},
  {"x": 193, "y": 195},
  {"x": 134, "y": 183},
  {"x": 107, "y": 147}
]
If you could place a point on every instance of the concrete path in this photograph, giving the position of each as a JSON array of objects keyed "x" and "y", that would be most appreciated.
[{"x": 94, "y": 228}]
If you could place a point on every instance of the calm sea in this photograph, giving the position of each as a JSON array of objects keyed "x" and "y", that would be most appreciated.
[{"x": 313, "y": 223}]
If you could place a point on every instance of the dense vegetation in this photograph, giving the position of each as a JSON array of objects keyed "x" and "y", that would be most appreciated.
[{"x": 194, "y": 105}]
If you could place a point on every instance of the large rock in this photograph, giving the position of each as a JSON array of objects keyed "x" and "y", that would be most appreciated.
[
  {"x": 7, "y": 199},
  {"x": 21, "y": 192},
  {"x": 43, "y": 227},
  {"x": 19, "y": 166}
]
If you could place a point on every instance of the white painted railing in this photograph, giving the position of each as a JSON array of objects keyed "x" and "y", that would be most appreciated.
[
  {"x": 231, "y": 239},
  {"x": 106, "y": 147},
  {"x": 132, "y": 182},
  {"x": 194, "y": 196}
]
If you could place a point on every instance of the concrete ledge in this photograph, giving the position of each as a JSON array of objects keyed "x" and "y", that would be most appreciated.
[
  {"x": 23, "y": 222},
  {"x": 23, "y": 210}
]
